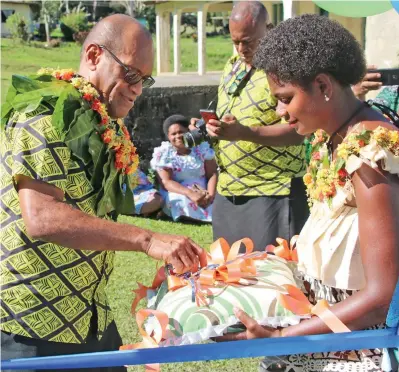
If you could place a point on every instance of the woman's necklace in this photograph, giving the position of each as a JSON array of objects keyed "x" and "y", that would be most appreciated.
[{"x": 332, "y": 136}]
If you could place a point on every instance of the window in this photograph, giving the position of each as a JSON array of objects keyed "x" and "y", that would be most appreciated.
[
  {"x": 5, "y": 13},
  {"x": 278, "y": 13}
]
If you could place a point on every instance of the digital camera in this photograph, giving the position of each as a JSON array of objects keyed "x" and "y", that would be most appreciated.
[{"x": 197, "y": 136}]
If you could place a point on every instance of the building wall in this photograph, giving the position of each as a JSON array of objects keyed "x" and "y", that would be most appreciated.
[
  {"x": 306, "y": 7},
  {"x": 382, "y": 39},
  {"x": 23, "y": 9},
  {"x": 354, "y": 25}
]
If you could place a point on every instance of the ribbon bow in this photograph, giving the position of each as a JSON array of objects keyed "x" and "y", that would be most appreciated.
[
  {"x": 152, "y": 340},
  {"x": 283, "y": 250},
  {"x": 296, "y": 302},
  {"x": 226, "y": 265}
]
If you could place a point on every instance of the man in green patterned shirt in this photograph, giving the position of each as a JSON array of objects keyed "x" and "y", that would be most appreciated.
[
  {"x": 58, "y": 176},
  {"x": 260, "y": 192}
]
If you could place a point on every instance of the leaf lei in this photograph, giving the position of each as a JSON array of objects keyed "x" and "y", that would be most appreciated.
[
  {"x": 86, "y": 129},
  {"x": 324, "y": 177}
]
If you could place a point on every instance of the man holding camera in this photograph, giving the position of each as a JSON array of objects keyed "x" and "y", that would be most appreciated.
[{"x": 260, "y": 191}]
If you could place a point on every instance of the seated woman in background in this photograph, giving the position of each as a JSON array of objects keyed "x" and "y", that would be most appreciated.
[
  {"x": 147, "y": 200},
  {"x": 187, "y": 176}
]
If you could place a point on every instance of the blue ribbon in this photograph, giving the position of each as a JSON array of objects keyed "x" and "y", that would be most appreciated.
[{"x": 385, "y": 338}]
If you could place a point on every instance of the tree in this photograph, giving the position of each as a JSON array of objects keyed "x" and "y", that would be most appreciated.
[
  {"x": 18, "y": 27},
  {"x": 148, "y": 12},
  {"x": 131, "y": 7},
  {"x": 49, "y": 13}
]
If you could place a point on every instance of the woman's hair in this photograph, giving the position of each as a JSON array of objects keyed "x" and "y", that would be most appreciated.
[
  {"x": 175, "y": 119},
  {"x": 300, "y": 48}
]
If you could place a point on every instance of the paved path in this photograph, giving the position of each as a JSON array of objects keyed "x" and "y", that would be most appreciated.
[{"x": 186, "y": 79}]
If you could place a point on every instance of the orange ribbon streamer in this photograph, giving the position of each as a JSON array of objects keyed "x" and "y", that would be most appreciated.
[
  {"x": 296, "y": 302},
  {"x": 283, "y": 250},
  {"x": 141, "y": 291},
  {"x": 149, "y": 341}
]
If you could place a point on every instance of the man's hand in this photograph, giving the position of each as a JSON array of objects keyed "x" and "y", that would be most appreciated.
[
  {"x": 179, "y": 251},
  {"x": 369, "y": 82},
  {"x": 228, "y": 128},
  {"x": 254, "y": 329}
]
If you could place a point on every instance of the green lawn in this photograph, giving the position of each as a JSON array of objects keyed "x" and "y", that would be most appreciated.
[
  {"x": 133, "y": 267},
  {"x": 27, "y": 59}
]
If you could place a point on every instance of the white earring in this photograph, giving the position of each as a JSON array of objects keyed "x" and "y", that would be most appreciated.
[{"x": 327, "y": 98}]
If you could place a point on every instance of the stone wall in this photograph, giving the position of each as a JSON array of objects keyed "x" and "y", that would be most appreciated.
[{"x": 155, "y": 105}]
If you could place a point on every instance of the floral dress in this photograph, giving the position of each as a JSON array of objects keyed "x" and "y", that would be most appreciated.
[
  {"x": 187, "y": 170},
  {"x": 330, "y": 265},
  {"x": 144, "y": 192}
]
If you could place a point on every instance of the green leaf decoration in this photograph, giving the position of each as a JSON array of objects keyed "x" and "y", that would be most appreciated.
[
  {"x": 28, "y": 102},
  {"x": 77, "y": 138},
  {"x": 125, "y": 196},
  {"x": 64, "y": 110},
  {"x": 24, "y": 84},
  {"x": 6, "y": 107},
  {"x": 79, "y": 124},
  {"x": 99, "y": 155},
  {"x": 339, "y": 164},
  {"x": 308, "y": 148},
  {"x": 326, "y": 162},
  {"x": 364, "y": 135},
  {"x": 108, "y": 199}
]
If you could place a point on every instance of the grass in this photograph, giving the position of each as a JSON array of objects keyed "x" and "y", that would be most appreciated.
[
  {"x": 27, "y": 59},
  {"x": 132, "y": 267}
]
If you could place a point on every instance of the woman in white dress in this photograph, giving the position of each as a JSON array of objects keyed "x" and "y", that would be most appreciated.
[
  {"x": 349, "y": 248},
  {"x": 187, "y": 176}
]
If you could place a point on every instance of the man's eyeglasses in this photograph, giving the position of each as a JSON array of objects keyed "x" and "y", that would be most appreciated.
[{"x": 131, "y": 77}]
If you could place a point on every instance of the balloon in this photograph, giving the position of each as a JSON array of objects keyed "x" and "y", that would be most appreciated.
[
  {"x": 395, "y": 4},
  {"x": 356, "y": 8}
]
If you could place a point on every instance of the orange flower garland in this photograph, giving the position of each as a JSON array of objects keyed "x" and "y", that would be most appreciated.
[{"x": 113, "y": 133}]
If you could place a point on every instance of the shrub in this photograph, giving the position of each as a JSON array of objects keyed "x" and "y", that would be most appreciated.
[
  {"x": 18, "y": 27},
  {"x": 73, "y": 23},
  {"x": 80, "y": 36}
]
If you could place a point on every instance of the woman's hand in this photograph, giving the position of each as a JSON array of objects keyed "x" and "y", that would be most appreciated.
[
  {"x": 196, "y": 196},
  {"x": 228, "y": 128},
  {"x": 254, "y": 329},
  {"x": 206, "y": 201}
]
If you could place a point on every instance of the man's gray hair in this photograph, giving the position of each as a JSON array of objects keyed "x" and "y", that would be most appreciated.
[{"x": 255, "y": 9}]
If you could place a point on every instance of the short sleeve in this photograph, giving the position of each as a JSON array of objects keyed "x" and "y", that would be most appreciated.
[
  {"x": 389, "y": 96},
  {"x": 206, "y": 151},
  {"x": 39, "y": 152},
  {"x": 163, "y": 157}
]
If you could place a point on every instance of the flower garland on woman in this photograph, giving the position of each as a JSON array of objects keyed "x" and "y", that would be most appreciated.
[{"x": 325, "y": 177}]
